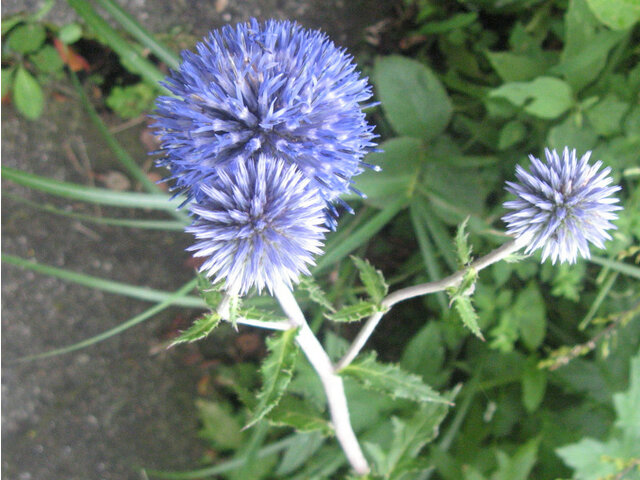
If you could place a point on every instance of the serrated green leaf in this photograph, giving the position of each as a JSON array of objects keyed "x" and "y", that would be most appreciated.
[
  {"x": 300, "y": 414},
  {"x": 462, "y": 244},
  {"x": 202, "y": 327},
  {"x": 211, "y": 294},
  {"x": 409, "y": 437},
  {"x": 468, "y": 314},
  {"x": 354, "y": 313},
  {"x": 27, "y": 38},
  {"x": 27, "y": 94},
  {"x": 315, "y": 292},
  {"x": 372, "y": 279},
  {"x": 390, "y": 379},
  {"x": 277, "y": 371}
]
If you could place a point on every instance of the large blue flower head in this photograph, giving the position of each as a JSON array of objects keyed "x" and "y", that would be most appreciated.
[
  {"x": 563, "y": 204},
  {"x": 258, "y": 224},
  {"x": 269, "y": 88}
]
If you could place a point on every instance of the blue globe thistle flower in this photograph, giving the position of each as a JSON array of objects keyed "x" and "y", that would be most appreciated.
[
  {"x": 258, "y": 224},
  {"x": 274, "y": 89},
  {"x": 562, "y": 204}
]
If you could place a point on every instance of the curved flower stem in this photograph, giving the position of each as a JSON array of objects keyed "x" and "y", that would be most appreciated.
[
  {"x": 332, "y": 383},
  {"x": 419, "y": 290}
]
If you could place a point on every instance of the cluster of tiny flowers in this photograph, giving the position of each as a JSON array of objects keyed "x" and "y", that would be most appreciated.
[
  {"x": 265, "y": 130},
  {"x": 562, "y": 204}
]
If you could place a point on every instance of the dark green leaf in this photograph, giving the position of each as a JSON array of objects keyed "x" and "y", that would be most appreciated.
[
  {"x": 372, "y": 279},
  {"x": 511, "y": 134},
  {"x": 425, "y": 354},
  {"x": 27, "y": 38},
  {"x": 315, "y": 292},
  {"x": 300, "y": 414},
  {"x": 277, "y": 371},
  {"x": 27, "y": 94},
  {"x": 413, "y": 98},
  {"x": 390, "y": 379},
  {"x": 534, "y": 384},
  {"x": 515, "y": 67},
  {"x": 607, "y": 115},
  {"x": 219, "y": 426},
  {"x": 544, "y": 97},
  {"x": 354, "y": 313},
  {"x": 202, "y": 327},
  {"x": 300, "y": 451},
  {"x": 519, "y": 466},
  {"x": 530, "y": 316}
]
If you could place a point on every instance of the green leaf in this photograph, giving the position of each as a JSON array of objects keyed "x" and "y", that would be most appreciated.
[
  {"x": 530, "y": 316},
  {"x": 299, "y": 414},
  {"x": 372, "y": 279},
  {"x": 70, "y": 33},
  {"x": 544, "y": 97},
  {"x": 606, "y": 116},
  {"x": 534, "y": 384},
  {"x": 409, "y": 437},
  {"x": 391, "y": 380},
  {"x": 315, "y": 292},
  {"x": 463, "y": 248},
  {"x": 47, "y": 59},
  {"x": 618, "y": 15},
  {"x": 27, "y": 38},
  {"x": 511, "y": 134},
  {"x": 9, "y": 23},
  {"x": 219, "y": 426},
  {"x": 519, "y": 466},
  {"x": 412, "y": 97},
  {"x": 468, "y": 315},
  {"x": 297, "y": 455},
  {"x": 277, "y": 371},
  {"x": 400, "y": 160},
  {"x": 515, "y": 67},
  {"x": 27, "y": 94},
  {"x": 7, "y": 79},
  {"x": 425, "y": 354},
  {"x": 354, "y": 313},
  {"x": 132, "y": 100},
  {"x": 202, "y": 327},
  {"x": 210, "y": 293},
  {"x": 572, "y": 131}
]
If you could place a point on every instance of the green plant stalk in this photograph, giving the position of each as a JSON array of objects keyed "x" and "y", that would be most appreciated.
[
  {"x": 140, "y": 293},
  {"x": 361, "y": 235},
  {"x": 120, "y": 328},
  {"x": 624, "y": 268},
  {"x": 131, "y": 26},
  {"x": 250, "y": 452},
  {"x": 101, "y": 196},
  {"x": 130, "y": 56},
  {"x": 602, "y": 294},
  {"x": 224, "y": 467},
  {"x": 164, "y": 225}
]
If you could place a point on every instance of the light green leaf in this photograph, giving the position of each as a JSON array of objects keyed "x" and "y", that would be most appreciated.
[
  {"x": 354, "y": 313},
  {"x": 412, "y": 97},
  {"x": 7, "y": 79},
  {"x": 618, "y": 14},
  {"x": 277, "y": 371},
  {"x": 400, "y": 160},
  {"x": 300, "y": 451},
  {"x": 606, "y": 116},
  {"x": 27, "y": 94},
  {"x": 211, "y": 294},
  {"x": 218, "y": 425},
  {"x": 70, "y": 33},
  {"x": 544, "y": 97},
  {"x": 468, "y": 315},
  {"x": 534, "y": 384},
  {"x": 519, "y": 466},
  {"x": 391, "y": 379},
  {"x": 300, "y": 414},
  {"x": 202, "y": 327},
  {"x": 372, "y": 279},
  {"x": 530, "y": 316},
  {"x": 315, "y": 292},
  {"x": 516, "y": 67},
  {"x": 572, "y": 131},
  {"x": 47, "y": 59},
  {"x": 27, "y": 38},
  {"x": 462, "y": 244}
]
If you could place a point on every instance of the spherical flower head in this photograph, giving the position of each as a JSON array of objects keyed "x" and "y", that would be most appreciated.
[
  {"x": 561, "y": 205},
  {"x": 269, "y": 88},
  {"x": 259, "y": 224}
]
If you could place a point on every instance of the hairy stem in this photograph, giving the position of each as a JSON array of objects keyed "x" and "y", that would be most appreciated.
[
  {"x": 332, "y": 383},
  {"x": 419, "y": 290}
]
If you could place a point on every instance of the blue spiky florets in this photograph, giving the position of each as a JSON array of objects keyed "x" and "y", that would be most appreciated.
[
  {"x": 258, "y": 224},
  {"x": 274, "y": 89},
  {"x": 562, "y": 204}
]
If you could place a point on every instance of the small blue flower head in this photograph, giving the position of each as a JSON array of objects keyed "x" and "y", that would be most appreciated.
[
  {"x": 269, "y": 88},
  {"x": 562, "y": 204},
  {"x": 259, "y": 223}
]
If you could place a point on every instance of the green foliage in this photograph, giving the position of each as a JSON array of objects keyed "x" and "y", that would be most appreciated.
[
  {"x": 277, "y": 370},
  {"x": 619, "y": 454},
  {"x": 354, "y": 313},
  {"x": 202, "y": 327},
  {"x": 390, "y": 379},
  {"x": 219, "y": 426},
  {"x": 372, "y": 279},
  {"x": 131, "y": 101}
]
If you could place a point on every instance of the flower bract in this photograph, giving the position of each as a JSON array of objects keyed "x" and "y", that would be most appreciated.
[
  {"x": 269, "y": 88},
  {"x": 258, "y": 224},
  {"x": 562, "y": 204}
]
